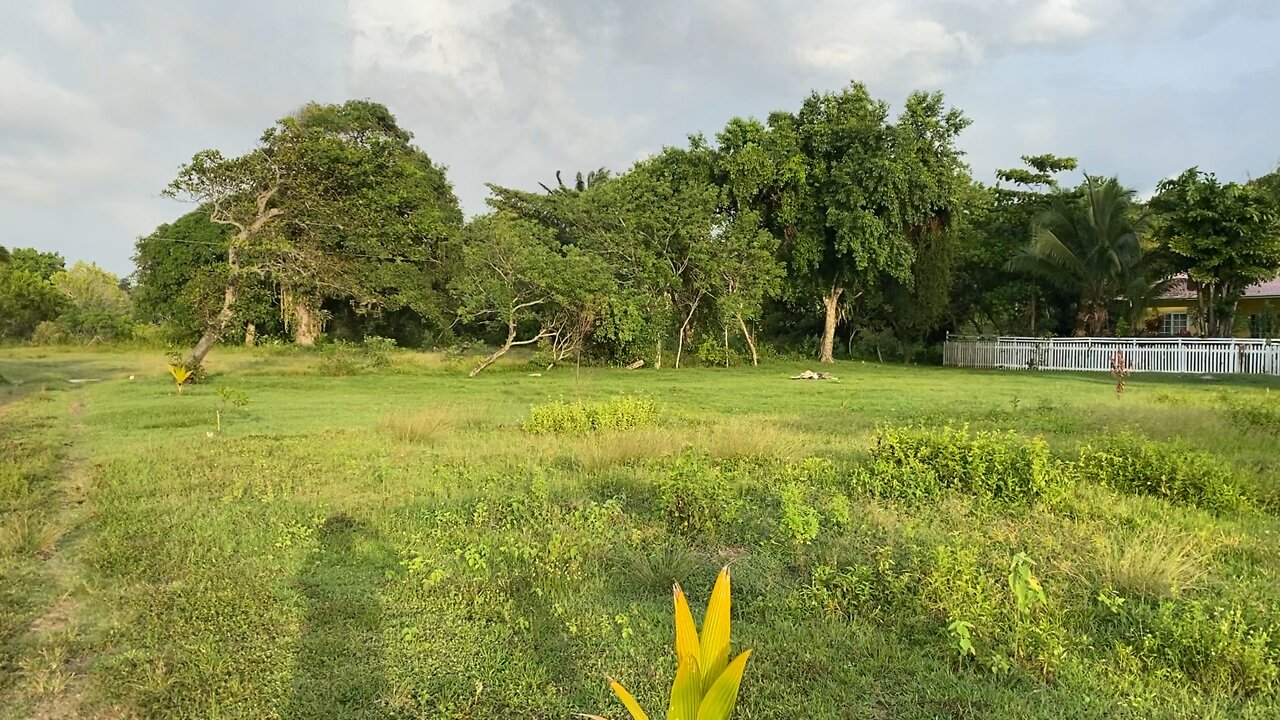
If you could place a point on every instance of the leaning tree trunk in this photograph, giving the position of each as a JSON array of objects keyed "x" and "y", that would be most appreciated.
[
  {"x": 220, "y": 321},
  {"x": 831, "y": 303},
  {"x": 751, "y": 343},
  {"x": 684, "y": 330}
]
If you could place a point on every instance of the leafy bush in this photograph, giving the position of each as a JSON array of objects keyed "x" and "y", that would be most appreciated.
[
  {"x": 695, "y": 495},
  {"x": 799, "y": 522},
  {"x": 1253, "y": 412},
  {"x": 1168, "y": 469},
  {"x": 341, "y": 358},
  {"x": 915, "y": 462},
  {"x": 50, "y": 332},
  {"x": 625, "y": 412},
  {"x": 712, "y": 351},
  {"x": 1217, "y": 648}
]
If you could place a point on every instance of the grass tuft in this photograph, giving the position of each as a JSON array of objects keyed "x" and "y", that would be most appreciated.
[
  {"x": 1158, "y": 564},
  {"x": 427, "y": 425}
]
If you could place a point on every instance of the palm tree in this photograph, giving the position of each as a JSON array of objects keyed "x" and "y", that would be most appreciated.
[{"x": 1088, "y": 246}]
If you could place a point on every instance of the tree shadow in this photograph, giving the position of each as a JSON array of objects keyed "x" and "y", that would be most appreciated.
[{"x": 339, "y": 665}]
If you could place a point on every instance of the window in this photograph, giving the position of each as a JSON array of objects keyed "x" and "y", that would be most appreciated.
[{"x": 1173, "y": 324}]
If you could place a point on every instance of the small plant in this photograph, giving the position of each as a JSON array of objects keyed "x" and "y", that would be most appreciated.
[
  {"x": 229, "y": 399},
  {"x": 707, "y": 681},
  {"x": 181, "y": 376},
  {"x": 799, "y": 522},
  {"x": 1028, "y": 593},
  {"x": 657, "y": 568},
  {"x": 1120, "y": 371},
  {"x": 961, "y": 633}
]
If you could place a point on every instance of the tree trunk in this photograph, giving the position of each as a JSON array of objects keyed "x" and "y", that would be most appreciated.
[
  {"x": 657, "y": 355},
  {"x": 250, "y": 334},
  {"x": 307, "y": 324},
  {"x": 832, "y": 305},
  {"x": 751, "y": 343},
  {"x": 493, "y": 356},
  {"x": 223, "y": 318}
]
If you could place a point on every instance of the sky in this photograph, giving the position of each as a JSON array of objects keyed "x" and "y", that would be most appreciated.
[{"x": 101, "y": 102}]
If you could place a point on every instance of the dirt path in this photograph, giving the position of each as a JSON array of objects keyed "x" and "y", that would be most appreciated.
[{"x": 53, "y": 680}]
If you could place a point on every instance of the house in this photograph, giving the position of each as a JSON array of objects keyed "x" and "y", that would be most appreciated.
[{"x": 1257, "y": 315}]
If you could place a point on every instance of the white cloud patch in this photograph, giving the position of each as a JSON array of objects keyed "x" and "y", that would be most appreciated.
[
  {"x": 100, "y": 102},
  {"x": 55, "y": 141}
]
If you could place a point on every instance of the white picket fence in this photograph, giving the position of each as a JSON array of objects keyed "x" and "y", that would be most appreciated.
[{"x": 1167, "y": 355}]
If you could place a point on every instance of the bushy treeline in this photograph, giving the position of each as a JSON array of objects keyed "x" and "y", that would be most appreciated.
[{"x": 836, "y": 228}]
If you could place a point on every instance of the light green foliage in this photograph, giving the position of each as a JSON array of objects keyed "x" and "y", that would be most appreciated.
[
  {"x": 28, "y": 302},
  {"x": 1003, "y": 466},
  {"x": 1169, "y": 469},
  {"x": 1252, "y": 412},
  {"x": 96, "y": 306},
  {"x": 800, "y": 521},
  {"x": 1219, "y": 648},
  {"x": 341, "y": 358},
  {"x": 625, "y": 412},
  {"x": 1028, "y": 593}
]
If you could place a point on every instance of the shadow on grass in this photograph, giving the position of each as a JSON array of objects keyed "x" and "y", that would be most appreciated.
[{"x": 339, "y": 670}]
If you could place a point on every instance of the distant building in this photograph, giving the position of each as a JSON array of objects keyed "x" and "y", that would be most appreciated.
[{"x": 1257, "y": 315}]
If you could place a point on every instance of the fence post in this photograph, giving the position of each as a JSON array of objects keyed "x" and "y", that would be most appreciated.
[{"x": 1182, "y": 357}]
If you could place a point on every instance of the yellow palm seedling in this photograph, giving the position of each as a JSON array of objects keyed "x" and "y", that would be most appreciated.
[
  {"x": 707, "y": 682},
  {"x": 180, "y": 375}
]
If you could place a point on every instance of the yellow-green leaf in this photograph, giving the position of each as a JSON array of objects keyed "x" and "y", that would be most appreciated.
[
  {"x": 686, "y": 631},
  {"x": 686, "y": 691},
  {"x": 715, "y": 631},
  {"x": 723, "y": 695},
  {"x": 628, "y": 701}
]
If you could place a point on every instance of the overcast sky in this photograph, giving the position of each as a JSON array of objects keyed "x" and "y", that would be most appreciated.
[{"x": 101, "y": 101}]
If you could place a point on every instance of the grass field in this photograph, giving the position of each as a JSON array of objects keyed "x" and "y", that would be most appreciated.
[{"x": 396, "y": 543}]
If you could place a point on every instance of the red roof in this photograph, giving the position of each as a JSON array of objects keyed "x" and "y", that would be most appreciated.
[{"x": 1182, "y": 289}]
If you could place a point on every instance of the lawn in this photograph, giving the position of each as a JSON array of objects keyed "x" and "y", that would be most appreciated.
[{"x": 364, "y": 541}]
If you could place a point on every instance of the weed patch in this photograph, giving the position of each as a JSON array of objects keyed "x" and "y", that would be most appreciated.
[
  {"x": 1168, "y": 469},
  {"x": 626, "y": 412}
]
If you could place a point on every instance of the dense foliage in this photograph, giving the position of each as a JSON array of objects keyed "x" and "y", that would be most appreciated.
[{"x": 836, "y": 227}]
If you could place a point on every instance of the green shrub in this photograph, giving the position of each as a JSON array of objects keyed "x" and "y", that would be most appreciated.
[
  {"x": 697, "y": 496},
  {"x": 1169, "y": 469},
  {"x": 799, "y": 521},
  {"x": 915, "y": 462},
  {"x": 1217, "y": 648},
  {"x": 1251, "y": 412},
  {"x": 625, "y": 412}
]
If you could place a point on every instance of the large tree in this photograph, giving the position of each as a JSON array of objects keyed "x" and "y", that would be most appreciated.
[
  {"x": 334, "y": 201},
  {"x": 1225, "y": 237},
  {"x": 857, "y": 191}
]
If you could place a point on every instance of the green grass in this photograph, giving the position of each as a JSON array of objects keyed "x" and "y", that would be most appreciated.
[{"x": 396, "y": 544}]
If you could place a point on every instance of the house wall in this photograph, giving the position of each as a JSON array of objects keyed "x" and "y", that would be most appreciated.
[{"x": 1249, "y": 308}]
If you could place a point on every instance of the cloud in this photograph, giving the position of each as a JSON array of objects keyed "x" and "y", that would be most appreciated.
[
  {"x": 55, "y": 142},
  {"x": 100, "y": 102}
]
